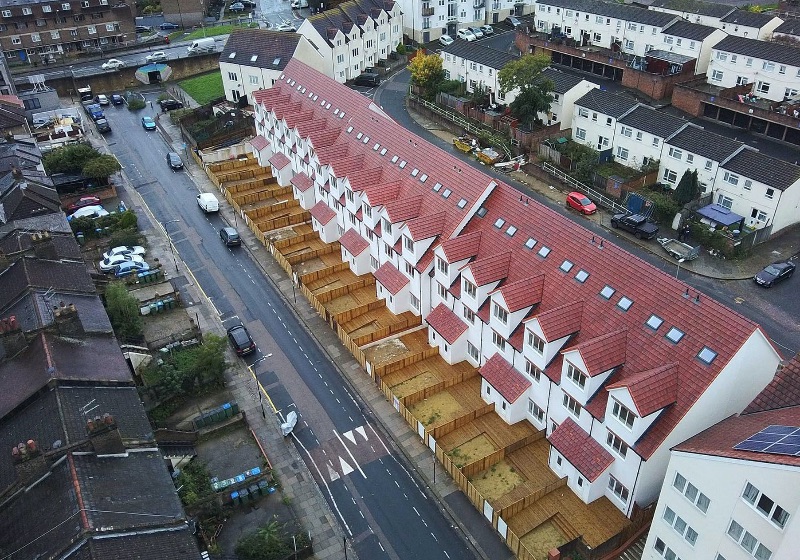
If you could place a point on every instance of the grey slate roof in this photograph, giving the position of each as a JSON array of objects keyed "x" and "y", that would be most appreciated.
[
  {"x": 748, "y": 19},
  {"x": 703, "y": 143},
  {"x": 669, "y": 56},
  {"x": 260, "y": 48},
  {"x": 172, "y": 544},
  {"x": 765, "y": 50},
  {"x": 27, "y": 273},
  {"x": 613, "y": 10},
  {"x": 607, "y": 103},
  {"x": 689, "y": 30},
  {"x": 653, "y": 122},
  {"x": 789, "y": 27},
  {"x": 562, "y": 81},
  {"x": 764, "y": 169},
  {"x": 695, "y": 7},
  {"x": 480, "y": 54}
]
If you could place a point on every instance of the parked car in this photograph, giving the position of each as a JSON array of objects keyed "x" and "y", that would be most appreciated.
[
  {"x": 143, "y": 29},
  {"x": 113, "y": 64},
  {"x": 88, "y": 212},
  {"x": 108, "y": 264},
  {"x": 446, "y": 40},
  {"x": 168, "y": 25},
  {"x": 241, "y": 341},
  {"x": 466, "y": 34},
  {"x": 230, "y": 236},
  {"x": 636, "y": 224},
  {"x": 158, "y": 56},
  {"x": 170, "y": 104},
  {"x": 148, "y": 123},
  {"x": 577, "y": 201},
  {"x": 102, "y": 100},
  {"x": 102, "y": 126},
  {"x": 476, "y": 31},
  {"x": 487, "y": 29},
  {"x": 174, "y": 161},
  {"x": 125, "y": 250},
  {"x": 774, "y": 273},
  {"x": 130, "y": 267},
  {"x": 367, "y": 79},
  {"x": 286, "y": 26},
  {"x": 237, "y": 7},
  {"x": 208, "y": 202},
  {"x": 82, "y": 202},
  {"x": 512, "y": 22},
  {"x": 117, "y": 99}
]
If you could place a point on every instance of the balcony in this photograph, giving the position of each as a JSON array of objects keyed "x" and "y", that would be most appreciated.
[
  {"x": 495, "y": 5},
  {"x": 427, "y": 12},
  {"x": 452, "y": 17},
  {"x": 478, "y": 4}
]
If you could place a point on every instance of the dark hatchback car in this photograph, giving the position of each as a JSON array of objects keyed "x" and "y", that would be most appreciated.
[
  {"x": 170, "y": 104},
  {"x": 230, "y": 237},
  {"x": 174, "y": 161},
  {"x": 116, "y": 99},
  {"x": 367, "y": 79},
  {"x": 241, "y": 341},
  {"x": 774, "y": 273}
]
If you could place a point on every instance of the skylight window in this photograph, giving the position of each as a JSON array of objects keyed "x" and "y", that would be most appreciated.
[
  {"x": 341, "y": 115},
  {"x": 654, "y": 322},
  {"x": 607, "y": 292},
  {"x": 315, "y": 98},
  {"x": 383, "y": 151},
  {"x": 437, "y": 187},
  {"x": 423, "y": 178},
  {"x": 322, "y": 103},
  {"x": 462, "y": 203},
  {"x": 328, "y": 106},
  {"x": 359, "y": 135},
  {"x": 375, "y": 147},
  {"x": 336, "y": 112},
  {"x": 544, "y": 251},
  {"x": 349, "y": 129},
  {"x": 366, "y": 139},
  {"x": 232, "y": 55},
  {"x": 624, "y": 303},
  {"x": 299, "y": 88},
  {"x": 706, "y": 355},
  {"x": 446, "y": 193},
  {"x": 530, "y": 243},
  {"x": 581, "y": 276},
  {"x": 499, "y": 223},
  {"x": 482, "y": 211},
  {"x": 394, "y": 159},
  {"x": 511, "y": 231},
  {"x": 566, "y": 266},
  {"x": 414, "y": 172},
  {"x": 675, "y": 335},
  {"x": 254, "y": 58},
  {"x": 403, "y": 164}
]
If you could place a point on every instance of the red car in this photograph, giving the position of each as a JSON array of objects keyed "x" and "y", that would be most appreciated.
[
  {"x": 580, "y": 203},
  {"x": 82, "y": 202}
]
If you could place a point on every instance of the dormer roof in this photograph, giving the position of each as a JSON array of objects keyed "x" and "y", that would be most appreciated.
[
  {"x": 603, "y": 352},
  {"x": 651, "y": 390}
]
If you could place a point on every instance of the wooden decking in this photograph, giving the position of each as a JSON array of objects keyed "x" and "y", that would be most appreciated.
[
  {"x": 351, "y": 300},
  {"x": 443, "y": 406},
  {"x": 493, "y": 426},
  {"x": 377, "y": 324},
  {"x": 397, "y": 349}
]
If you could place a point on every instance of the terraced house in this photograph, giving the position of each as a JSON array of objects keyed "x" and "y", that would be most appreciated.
[{"x": 555, "y": 350}]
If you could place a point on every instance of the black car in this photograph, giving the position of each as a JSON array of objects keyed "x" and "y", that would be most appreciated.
[
  {"x": 174, "y": 161},
  {"x": 103, "y": 126},
  {"x": 774, "y": 273},
  {"x": 143, "y": 29},
  {"x": 230, "y": 237},
  {"x": 367, "y": 79},
  {"x": 170, "y": 104},
  {"x": 116, "y": 99},
  {"x": 241, "y": 341},
  {"x": 169, "y": 25},
  {"x": 512, "y": 22}
]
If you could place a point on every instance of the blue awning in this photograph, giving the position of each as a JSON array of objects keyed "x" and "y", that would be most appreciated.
[{"x": 720, "y": 215}]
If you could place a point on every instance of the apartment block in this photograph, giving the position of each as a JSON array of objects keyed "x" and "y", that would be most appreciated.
[
  {"x": 427, "y": 20},
  {"x": 692, "y": 40}
]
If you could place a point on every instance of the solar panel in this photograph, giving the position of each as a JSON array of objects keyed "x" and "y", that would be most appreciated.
[{"x": 780, "y": 440}]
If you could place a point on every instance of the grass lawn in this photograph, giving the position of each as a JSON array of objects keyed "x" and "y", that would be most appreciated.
[
  {"x": 204, "y": 88},
  {"x": 209, "y": 32}
]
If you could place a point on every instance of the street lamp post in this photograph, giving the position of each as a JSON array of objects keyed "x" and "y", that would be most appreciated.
[
  {"x": 679, "y": 267},
  {"x": 169, "y": 240},
  {"x": 252, "y": 368}
]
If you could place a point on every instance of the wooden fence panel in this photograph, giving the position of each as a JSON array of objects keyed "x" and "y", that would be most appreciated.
[
  {"x": 310, "y": 277},
  {"x": 315, "y": 303},
  {"x": 350, "y": 314},
  {"x": 391, "y": 367},
  {"x": 512, "y": 509},
  {"x": 297, "y": 240},
  {"x": 445, "y": 429}
]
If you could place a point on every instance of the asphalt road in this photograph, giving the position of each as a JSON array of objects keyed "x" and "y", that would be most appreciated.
[
  {"x": 777, "y": 309},
  {"x": 368, "y": 486}
]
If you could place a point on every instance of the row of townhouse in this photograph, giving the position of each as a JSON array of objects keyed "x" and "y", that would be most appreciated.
[
  {"x": 763, "y": 190},
  {"x": 728, "y": 18},
  {"x": 427, "y": 20},
  {"x": 615, "y": 360},
  {"x": 477, "y": 66},
  {"x": 733, "y": 491}
]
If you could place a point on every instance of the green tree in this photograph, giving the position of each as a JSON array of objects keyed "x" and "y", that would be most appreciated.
[
  {"x": 530, "y": 103},
  {"x": 69, "y": 159},
  {"x": 101, "y": 167},
  {"x": 688, "y": 188},
  {"x": 427, "y": 73},
  {"x": 123, "y": 310},
  {"x": 535, "y": 91}
]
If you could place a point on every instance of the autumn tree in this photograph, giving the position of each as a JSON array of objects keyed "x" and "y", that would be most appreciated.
[
  {"x": 427, "y": 73},
  {"x": 534, "y": 90}
]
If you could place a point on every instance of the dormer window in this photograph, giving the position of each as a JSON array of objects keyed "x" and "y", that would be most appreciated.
[
  {"x": 576, "y": 376},
  {"x": 623, "y": 414},
  {"x": 408, "y": 243},
  {"x": 442, "y": 265},
  {"x": 501, "y": 314},
  {"x": 536, "y": 342},
  {"x": 387, "y": 226},
  {"x": 470, "y": 289},
  {"x": 368, "y": 210}
]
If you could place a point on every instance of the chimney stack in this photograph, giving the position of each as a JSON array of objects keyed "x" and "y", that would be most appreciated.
[
  {"x": 104, "y": 435},
  {"x": 15, "y": 171},
  {"x": 43, "y": 246},
  {"x": 29, "y": 462},
  {"x": 12, "y": 339},
  {"x": 67, "y": 321}
]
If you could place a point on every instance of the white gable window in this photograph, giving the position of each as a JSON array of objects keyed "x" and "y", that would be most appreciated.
[
  {"x": 442, "y": 265},
  {"x": 470, "y": 289},
  {"x": 622, "y": 414},
  {"x": 536, "y": 342},
  {"x": 572, "y": 405},
  {"x": 576, "y": 376},
  {"x": 500, "y": 313}
]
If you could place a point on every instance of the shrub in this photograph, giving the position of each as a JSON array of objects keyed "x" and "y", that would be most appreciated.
[
  {"x": 401, "y": 49},
  {"x": 665, "y": 207},
  {"x": 136, "y": 104},
  {"x": 194, "y": 479},
  {"x": 123, "y": 311},
  {"x": 125, "y": 236},
  {"x": 270, "y": 542}
]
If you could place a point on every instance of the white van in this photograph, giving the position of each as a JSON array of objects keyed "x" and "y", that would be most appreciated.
[
  {"x": 297, "y": 4},
  {"x": 200, "y": 46},
  {"x": 208, "y": 202}
]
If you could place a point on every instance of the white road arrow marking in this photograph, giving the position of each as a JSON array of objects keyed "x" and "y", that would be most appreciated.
[
  {"x": 349, "y": 435},
  {"x": 346, "y": 469},
  {"x": 332, "y": 473},
  {"x": 362, "y": 431}
]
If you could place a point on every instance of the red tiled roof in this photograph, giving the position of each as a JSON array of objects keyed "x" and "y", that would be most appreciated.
[
  {"x": 259, "y": 143},
  {"x": 783, "y": 390},
  {"x": 360, "y": 180},
  {"x": 426, "y": 226},
  {"x": 719, "y": 440},
  {"x": 322, "y": 213},
  {"x": 581, "y": 450},
  {"x": 603, "y": 352},
  {"x": 353, "y": 242},
  {"x": 446, "y": 323},
  {"x": 404, "y": 209},
  {"x": 306, "y": 128},
  {"x": 651, "y": 390},
  {"x": 522, "y": 293},
  {"x": 462, "y": 247},
  {"x": 505, "y": 378},
  {"x": 342, "y": 167},
  {"x": 382, "y": 193},
  {"x": 302, "y": 182},
  {"x": 322, "y": 138},
  {"x": 391, "y": 278},
  {"x": 490, "y": 269},
  {"x": 279, "y": 161},
  {"x": 328, "y": 154},
  {"x": 561, "y": 321}
]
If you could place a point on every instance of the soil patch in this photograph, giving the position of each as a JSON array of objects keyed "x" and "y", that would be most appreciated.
[
  {"x": 416, "y": 383},
  {"x": 386, "y": 351},
  {"x": 497, "y": 481},
  {"x": 543, "y": 539},
  {"x": 472, "y": 450},
  {"x": 437, "y": 409}
]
